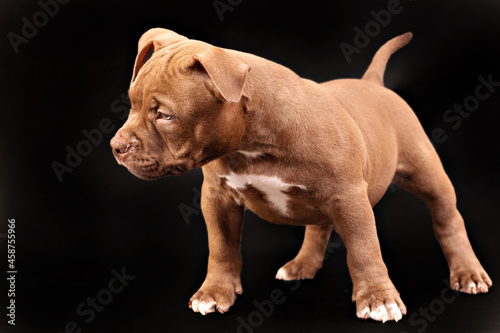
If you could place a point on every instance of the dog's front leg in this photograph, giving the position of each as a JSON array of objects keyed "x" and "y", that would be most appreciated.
[
  {"x": 373, "y": 291},
  {"x": 223, "y": 218}
]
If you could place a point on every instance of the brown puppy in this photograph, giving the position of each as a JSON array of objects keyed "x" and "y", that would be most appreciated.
[{"x": 293, "y": 151}]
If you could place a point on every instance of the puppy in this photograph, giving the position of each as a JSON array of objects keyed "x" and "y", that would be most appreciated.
[{"x": 294, "y": 152}]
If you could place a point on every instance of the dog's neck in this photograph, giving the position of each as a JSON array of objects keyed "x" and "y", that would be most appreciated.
[
  {"x": 276, "y": 123},
  {"x": 270, "y": 117}
]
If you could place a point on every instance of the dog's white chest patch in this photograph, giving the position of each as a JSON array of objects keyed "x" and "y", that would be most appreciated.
[{"x": 272, "y": 187}]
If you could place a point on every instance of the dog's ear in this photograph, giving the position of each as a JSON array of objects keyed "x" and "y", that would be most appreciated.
[
  {"x": 227, "y": 73},
  {"x": 151, "y": 41}
]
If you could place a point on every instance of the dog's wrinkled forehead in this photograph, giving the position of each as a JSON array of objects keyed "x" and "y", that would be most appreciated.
[
  {"x": 163, "y": 74},
  {"x": 153, "y": 69},
  {"x": 173, "y": 54},
  {"x": 151, "y": 42}
]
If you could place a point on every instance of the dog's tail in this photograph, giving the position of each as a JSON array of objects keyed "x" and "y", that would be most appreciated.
[{"x": 375, "y": 72}]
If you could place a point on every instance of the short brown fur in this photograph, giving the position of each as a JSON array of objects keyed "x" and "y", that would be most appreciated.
[{"x": 341, "y": 142}]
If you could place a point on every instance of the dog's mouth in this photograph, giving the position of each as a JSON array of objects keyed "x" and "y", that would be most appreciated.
[
  {"x": 179, "y": 169},
  {"x": 149, "y": 169},
  {"x": 187, "y": 164},
  {"x": 152, "y": 169}
]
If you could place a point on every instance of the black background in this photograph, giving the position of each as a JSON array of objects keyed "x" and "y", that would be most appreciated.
[{"x": 71, "y": 234}]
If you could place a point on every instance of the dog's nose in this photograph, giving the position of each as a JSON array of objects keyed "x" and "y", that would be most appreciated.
[{"x": 120, "y": 147}]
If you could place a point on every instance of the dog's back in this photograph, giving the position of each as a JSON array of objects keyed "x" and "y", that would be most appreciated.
[{"x": 389, "y": 126}]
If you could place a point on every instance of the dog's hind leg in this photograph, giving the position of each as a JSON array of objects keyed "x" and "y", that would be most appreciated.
[
  {"x": 309, "y": 260},
  {"x": 420, "y": 172}
]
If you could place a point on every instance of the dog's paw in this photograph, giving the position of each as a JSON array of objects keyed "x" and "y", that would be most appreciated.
[
  {"x": 471, "y": 280},
  {"x": 298, "y": 270},
  {"x": 215, "y": 297},
  {"x": 380, "y": 305}
]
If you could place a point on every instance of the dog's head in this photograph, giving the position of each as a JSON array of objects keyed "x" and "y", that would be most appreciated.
[{"x": 186, "y": 106}]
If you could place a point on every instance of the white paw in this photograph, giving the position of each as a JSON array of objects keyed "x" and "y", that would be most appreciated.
[
  {"x": 203, "y": 307},
  {"x": 379, "y": 314},
  {"x": 283, "y": 275},
  {"x": 471, "y": 281},
  {"x": 394, "y": 311},
  {"x": 383, "y": 313},
  {"x": 471, "y": 288}
]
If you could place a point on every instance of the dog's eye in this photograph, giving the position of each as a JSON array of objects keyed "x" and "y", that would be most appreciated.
[{"x": 165, "y": 116}]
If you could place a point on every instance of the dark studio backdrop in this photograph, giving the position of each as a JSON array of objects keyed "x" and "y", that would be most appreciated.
[{"x": 63, "y": 80}]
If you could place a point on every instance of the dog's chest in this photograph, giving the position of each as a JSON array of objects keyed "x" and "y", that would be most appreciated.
[{"x": 261, "y": 192}]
